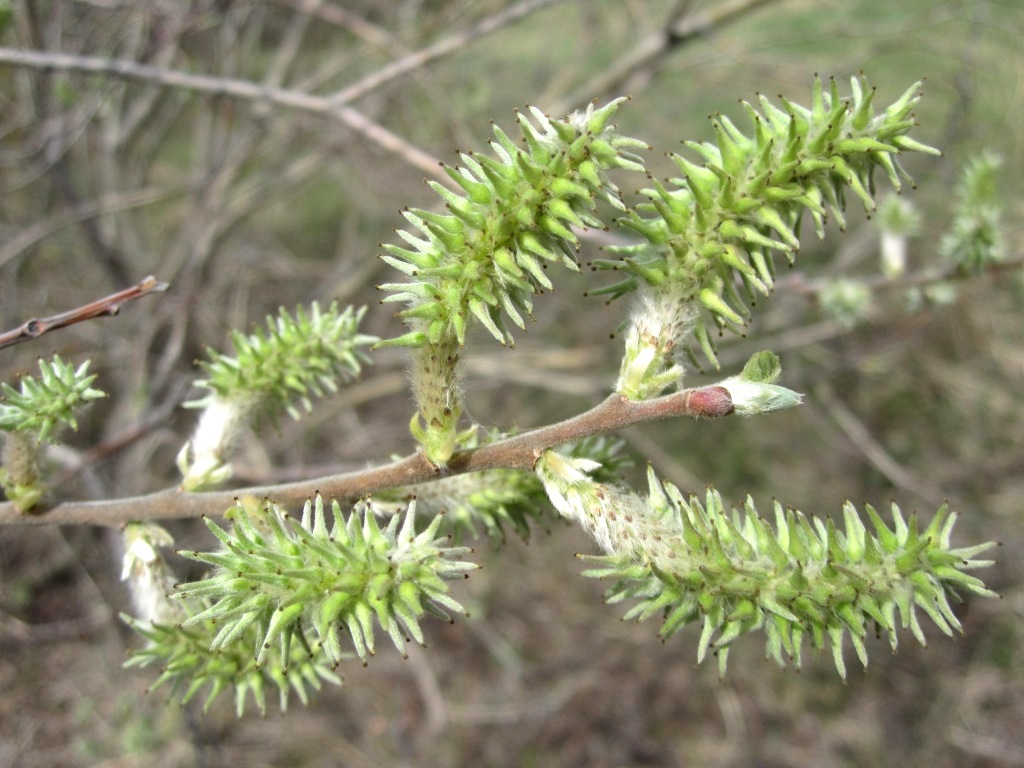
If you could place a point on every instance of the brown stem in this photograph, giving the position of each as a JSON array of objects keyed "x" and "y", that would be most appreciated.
[
  {"x": 108, "y": 305},
  {"x": 518, "y": 452}
]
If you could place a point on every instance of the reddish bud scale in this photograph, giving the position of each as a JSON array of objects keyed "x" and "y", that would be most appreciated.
[{"x": 709, "y": 402}]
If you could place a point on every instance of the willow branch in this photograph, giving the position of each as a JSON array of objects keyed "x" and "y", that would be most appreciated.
[
  {"x": 108, "y": 305},
  {"x": 518, "y": 452}
]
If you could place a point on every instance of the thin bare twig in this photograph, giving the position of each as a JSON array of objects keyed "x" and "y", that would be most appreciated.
[
  {"x": 518, "y": 452},
  {"x": 873, "y": 451},
  {"x": 28, "y": 237},
  {"x": 798, "y": 337},
  {"x": 681, "y": 29},
  {"x": 798, "y": 284},
  {"x": 244, "y": 90},
  {"x": 108, "y": 305},
  {"x": 334, "y": 105},
  {"x": 441, "y": 48}
]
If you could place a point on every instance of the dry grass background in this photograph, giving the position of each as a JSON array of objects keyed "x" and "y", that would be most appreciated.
[{"x": 245, "y": 205}]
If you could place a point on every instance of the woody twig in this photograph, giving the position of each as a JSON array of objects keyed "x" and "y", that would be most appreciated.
[{"x": 108, "y": 305}]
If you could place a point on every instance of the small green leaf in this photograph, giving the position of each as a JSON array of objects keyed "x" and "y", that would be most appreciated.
[{"x": 762, "y": 368}]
